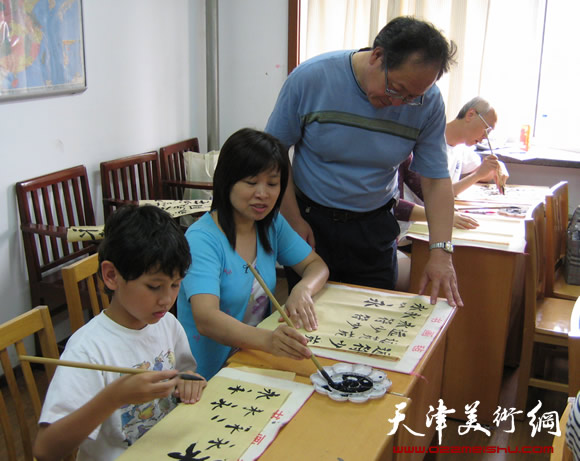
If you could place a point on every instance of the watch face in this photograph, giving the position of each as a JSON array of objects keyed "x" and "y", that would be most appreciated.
[{"x": 448, "y": 247}]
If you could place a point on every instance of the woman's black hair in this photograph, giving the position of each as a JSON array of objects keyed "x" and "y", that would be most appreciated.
[{"x": 247, "y": 153}]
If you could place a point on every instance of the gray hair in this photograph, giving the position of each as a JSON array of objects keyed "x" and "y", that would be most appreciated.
[{"x": 480, "y": 105}]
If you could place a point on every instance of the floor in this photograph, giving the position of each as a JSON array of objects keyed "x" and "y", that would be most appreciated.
[
  {"x": 521, "y": 435},
  {"x": 499, "y": 437}
]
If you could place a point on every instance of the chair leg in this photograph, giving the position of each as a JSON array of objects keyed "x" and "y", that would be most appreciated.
[{"x": 524, "y": 373}]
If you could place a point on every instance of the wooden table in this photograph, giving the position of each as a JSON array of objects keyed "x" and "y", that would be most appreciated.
[
  {"x": 327, "y": 430},
  {"x": 491, "y": 286},
  {"x": 422, "y": 389},
  {"x": 324, "y": 429},
  {"x": 486, "y": 333}
]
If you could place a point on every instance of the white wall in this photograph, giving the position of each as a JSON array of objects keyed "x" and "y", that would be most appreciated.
[
  {"x": 145, "y": 64},
  {"x": 253, "y": 61}
]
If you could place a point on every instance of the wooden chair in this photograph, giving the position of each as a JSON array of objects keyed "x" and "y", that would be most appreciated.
[
  {"x": 22, "y": 398},
  {"x": 546, "y": 320},
  {"x": 574, "y": 351},
  {"x": 48, "y": 205},
  {"x": 83, "y": 272},
  {"x": 130, "y": 179},
  {"x": 556, "y": 243},
  {"x": 173, "y": 172},
  {"x": 561, "y": 452}
]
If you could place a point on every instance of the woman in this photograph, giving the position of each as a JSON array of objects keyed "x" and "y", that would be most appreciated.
[{"x": 220, "y": 302}]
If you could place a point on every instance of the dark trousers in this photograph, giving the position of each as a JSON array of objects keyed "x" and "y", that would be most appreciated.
[{"x": 359, "y": 248}]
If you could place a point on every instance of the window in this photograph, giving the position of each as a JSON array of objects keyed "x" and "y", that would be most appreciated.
[
  {"x": 520, "y": 55},
  {"x": 557, "y": 117}
]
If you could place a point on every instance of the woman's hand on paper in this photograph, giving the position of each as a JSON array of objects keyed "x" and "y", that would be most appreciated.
[{"x": 300, "y": 308}]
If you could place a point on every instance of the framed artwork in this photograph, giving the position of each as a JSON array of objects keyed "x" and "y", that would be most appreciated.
[{"x": 41, "y": 48}]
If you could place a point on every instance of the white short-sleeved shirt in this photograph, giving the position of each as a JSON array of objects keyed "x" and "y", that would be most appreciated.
[{"x": 160, "y": 346}]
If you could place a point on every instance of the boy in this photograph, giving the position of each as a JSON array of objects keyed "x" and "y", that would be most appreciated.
[{"x": 143, "y": 258}]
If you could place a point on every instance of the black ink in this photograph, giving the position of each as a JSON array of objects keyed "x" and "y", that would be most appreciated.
[
  {"x": 222, "y": 403},
  {"x": 338, "y": 345},
  {"x": 237, "y": 428},
  {"x": 373, "y": 302},
  {"x": 346, "y": 334},
  {"x": 360, "y": 347},
  {"x": 412, "y": 315},
  {"x": 94, "y": 235},
  {"x": 417, "y": 307},
  {"x": 217, "y": 443},
  {"x": 267, "y": 393},
  {"x": 252, "y": 410},
  {"x": 385, "y": 320},
  {"x": 399, "y": 333},
  {"x": 238, "y": 388},
  {"x": 189, "y": 455},
  {"x": 405, "y": 324},
  {"x": 313, "y": 339},
  {"x": 362, "y": 317},
  {"x": 351, "y": 383},
  {"x": 381, "y": 351}
]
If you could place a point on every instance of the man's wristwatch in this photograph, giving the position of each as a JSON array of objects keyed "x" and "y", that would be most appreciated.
[{"x": 445, "y": 246}]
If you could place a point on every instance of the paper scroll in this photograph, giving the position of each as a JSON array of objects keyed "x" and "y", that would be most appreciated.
[
  {"x": 406, "y": 325},
  {"x": 175, "y": 208},
  {"x": 237, "y": 417}
]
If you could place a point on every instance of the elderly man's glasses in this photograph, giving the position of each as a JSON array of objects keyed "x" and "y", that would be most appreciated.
[
  {"x": 413, "y": 101},
  {"x": 487, "y": 127}
]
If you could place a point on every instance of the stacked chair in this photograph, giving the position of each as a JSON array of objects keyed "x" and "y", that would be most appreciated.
[
  {"x": 546, "y": 319},
  {"x": 48, "y": 205}
]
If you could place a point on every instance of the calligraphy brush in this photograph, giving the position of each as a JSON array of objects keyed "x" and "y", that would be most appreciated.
[
  {"x": 291, "y": 324},
  {"x": 500, "y": 185},
  {"x": 96, "y": 366}
]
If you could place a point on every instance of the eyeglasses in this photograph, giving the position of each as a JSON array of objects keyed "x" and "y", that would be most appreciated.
[
  {"x": 413, "y": 101},
  {"x": 487, "y": 127}
]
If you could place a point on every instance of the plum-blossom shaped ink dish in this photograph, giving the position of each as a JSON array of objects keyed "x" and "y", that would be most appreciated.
[{"x": 355, "y": 383}]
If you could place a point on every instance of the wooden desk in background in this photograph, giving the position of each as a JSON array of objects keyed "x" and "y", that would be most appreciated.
[
  {"x": 490, "y": 282},
  {"x": 422, "y": 389},
  {"x": 491, "y": 286}
]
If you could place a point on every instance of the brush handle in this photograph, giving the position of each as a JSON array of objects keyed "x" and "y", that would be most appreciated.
[
  {"x": 281, "y": 311},
  {"x": 271, "y": 296},
  {"x": 95, "y": 366}
]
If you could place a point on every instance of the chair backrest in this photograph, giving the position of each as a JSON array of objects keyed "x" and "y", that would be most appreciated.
[
  {"x": 173, "y": 171},
  {"x": 22, "y": 398},
  {"x": 83, "y": 272},
  {"x": 556, "y": 231},
  {"x": 130, "y": 179},
  {"x": 48, "y": 205},
  {"x": 574, "y": 351},
  {"x": 535, "y": 263}
]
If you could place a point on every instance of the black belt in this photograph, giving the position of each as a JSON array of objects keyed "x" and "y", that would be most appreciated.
[{"x": 336, "y": 214}]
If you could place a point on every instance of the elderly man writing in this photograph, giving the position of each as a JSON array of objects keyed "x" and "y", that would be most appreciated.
[{"x": 473, "y": 123}]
